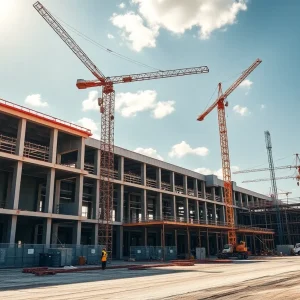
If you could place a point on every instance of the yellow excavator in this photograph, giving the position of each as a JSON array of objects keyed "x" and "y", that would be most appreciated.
[{"x": 239, "y": 250}]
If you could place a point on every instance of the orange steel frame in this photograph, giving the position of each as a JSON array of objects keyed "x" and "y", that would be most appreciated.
[
  {"x": 221, "y": 104},
  {"x": 40, "y": 118}
]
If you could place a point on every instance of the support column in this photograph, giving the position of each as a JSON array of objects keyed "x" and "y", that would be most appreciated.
[
  {"x": 143, "y": 173},
  {"x": 172, "y": 181},
  {"x": 214, "y": 214},
  {"x": 97, "y": 162},
  {"x": 196, "y": 188},
  {"x": 173, "y": 207},
  {"x": 21, "y": 137},
  {"x": 213, "y": 193},
  {"x": 185, "y": 184},
  {"x": 205, "y": 212},
  {"x": 80, "y": 155},
  {"x": 158, "y": 178},
  {"x": 96, "y": 196},
  {"x": 54, "y": 234},
  {"x": 56, "y": 197},
  {"x": 120, "y": 242},
  {"x": 121, "y": 203},
  {"x": 11, "y": 232},
  {"x": 186, "y": 210},
  {"x": 121, "y": 167},
  {"x": 240, "y": 199},
  {"x": 47, "y": 231},
  {"x": 159, "y": 212},
  {"x": 247, "y": 201},
  {"x": 78, "y": 195},
  {"x": 197, "y": 214},
  {"x": 144, "y": 205},
  {"x": 95, "y": 234},
  {"x": 76, "y": 234},
  {"x": 203, "y": 191},
  {"x": 222, "y": 194},
  {"x": 49, "y": 191},
  {"x": 53, "y": 146},
  {"x": 16, "y": 185}
]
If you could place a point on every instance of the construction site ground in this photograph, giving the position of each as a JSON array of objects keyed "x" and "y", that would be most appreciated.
[{"x": 263, "y": 278}]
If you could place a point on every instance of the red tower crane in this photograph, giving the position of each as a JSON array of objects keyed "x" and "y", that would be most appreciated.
[
  {"x": 107, "y": 109},
  {"x": 220, "y": 103}
]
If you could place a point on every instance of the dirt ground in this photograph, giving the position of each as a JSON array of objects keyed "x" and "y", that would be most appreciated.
[{"x": 276, "y": 278}]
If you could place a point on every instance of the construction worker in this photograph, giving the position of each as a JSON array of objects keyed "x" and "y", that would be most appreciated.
[{"x": 104, "y": 258}]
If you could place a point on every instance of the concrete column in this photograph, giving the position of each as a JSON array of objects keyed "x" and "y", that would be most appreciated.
[
  {"x": 205, "y": 212},
  {"x": 121, "y": 167},
  {"x": 247, "y": 201},
  {"x": 128, "y": 216},
  {"x": 56, "y": 197},
  {"x": 186, "y": 210},
  {"x": 173, "y": 206},
  {"x": 58, "y": 159},
  {"x": 97, "y": 162},
  {"x": 197, "y": 214},
  {"x": 196, "y": 188},
  {"x": 222, "y": 194},
  {"x": 143, "y": 173},
  {"x": 53, "y": 146},
  {"x": 49, "y": 191},
  {"x": 80, "y": 155},
  {"x": 213, "y": 193},
  {"x": 16, "y": 185},
  {"x": 172, "y": 181},
  {"x": 21, "y": 137},
  {"x": 11, "y": 232},
  {"x": 158, "y": 178},
  {"x": 214, "y": 213},
  {"x": 185, "y": 184},
  {"x": 121, "y": 202},
  {"x": 96, "y": 196},
  {"x": 159, "y": 212},
  {"x": 78, "y": 195},
  {"x": 95, "y": 234},
  {"x": 54, "y": 233},
  {"x": 144, "y": 210},
  {"x": 47, "y": 231},
  {"x": 120, "y": 242},
  {"x": 203, "y": 191},
  {"x": 76, "y": 234},
  {"x": 8, "y": 189}
]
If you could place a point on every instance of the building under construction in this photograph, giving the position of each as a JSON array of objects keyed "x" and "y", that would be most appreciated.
[{"x": 49, "y": 192}]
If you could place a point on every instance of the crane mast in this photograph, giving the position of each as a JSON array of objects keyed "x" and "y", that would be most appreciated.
[
  {"x": 107, "y": 109},
  {"x": 221, "y": 104},
  {"x": 274, "y": 185}
]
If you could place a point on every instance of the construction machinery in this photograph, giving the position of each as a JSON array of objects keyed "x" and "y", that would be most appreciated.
[
  {"x": 234, "y": 250},
  {"x": 107, "y": 109},
  {"x": 221, "y": 103}
]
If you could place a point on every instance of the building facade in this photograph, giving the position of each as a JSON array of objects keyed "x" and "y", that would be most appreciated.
[{"x": 49, "y": 192}]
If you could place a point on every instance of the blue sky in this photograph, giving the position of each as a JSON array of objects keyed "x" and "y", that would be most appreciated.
[{"x": 159, "y": 117}]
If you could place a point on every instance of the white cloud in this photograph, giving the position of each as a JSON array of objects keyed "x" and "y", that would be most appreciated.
[
  {"x": 122, "y": 5},
  {"x": 182, "y": 149},
  {"x": 35, "y": 100},
  {"x": 218, "y": 173},
  {"x": 262, "y": 106},
  {"x": 90, "y": 124},
  {"x": 163, "y": 109},
  {"x": 91, "y": 103},
  {"x": 129, "y": 104},
  {"x": 246, "y": 83},
  {"x": 148, "y": 152},
  {"x": 110, "y": 36},
  {"x": 243, "y": 111},
  {"x": 179, "y": 16},
  {"x": 134, "y": 31}
]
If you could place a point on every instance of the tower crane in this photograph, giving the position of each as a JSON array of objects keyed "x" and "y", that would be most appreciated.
[
  {"x": 107, "y": 109},
  {"x": 221, "y": 103}
]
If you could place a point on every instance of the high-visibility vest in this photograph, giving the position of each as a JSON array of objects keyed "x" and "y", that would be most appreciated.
[{"x": 104, "y": 256}]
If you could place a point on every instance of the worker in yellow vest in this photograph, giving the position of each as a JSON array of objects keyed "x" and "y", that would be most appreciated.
[{"x": 104, "y": 258}]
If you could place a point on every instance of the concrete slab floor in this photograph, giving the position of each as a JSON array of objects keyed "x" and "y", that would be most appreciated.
[{"x": 267, "y": 279}]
